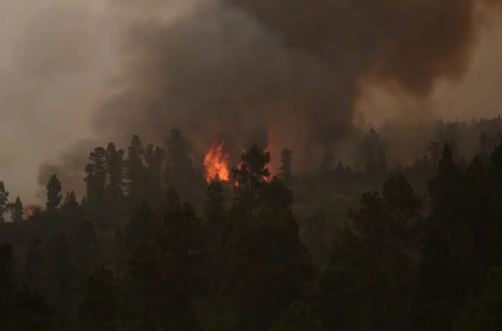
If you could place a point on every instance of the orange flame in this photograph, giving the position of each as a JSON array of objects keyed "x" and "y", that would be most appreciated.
[
  {"x": 30, "y": 211},
  {"x": 216, "y": 164}
]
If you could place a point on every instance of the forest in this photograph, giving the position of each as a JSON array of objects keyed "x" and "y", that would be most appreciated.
[{"x": 155, "y": 244}]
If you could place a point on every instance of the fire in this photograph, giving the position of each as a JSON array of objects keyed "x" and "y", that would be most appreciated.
[
  {"x": 216, "y": 164},
  {"x": 30, "y": 211}
]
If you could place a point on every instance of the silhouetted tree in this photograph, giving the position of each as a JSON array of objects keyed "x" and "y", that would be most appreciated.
[
  {"x": 95, "y": 179},
  {"x": 266, "y": 260},
  {"x": 34, "y": 267},
  {"x": 215, "y": 226},
  {"x": 7, "y": 286},
  {"x": 136, "y": 173},
  {"x": 140, "y": 229},
  {"x": 180, "y": 240},
  {"x": 483, "y": 311},
  {"x": 4, "y": 201},
  {"x": 435, "y": 153},
  {"x": 250, "y": 180},
  {"x": 53, "y": 194},
  {"x": 214, "y": 204},
  {"x": 455, "y": 253},
  {"x": 154, "y": 157},
  {"x": 171, "y": 201},
  {"x": 84, "y": 249},
  {"x": 342, "y": 285},
  {"x": 99, "y": 307},
  {"x": 115, "y": 165},
  {"x": 380, "y": 238},
  {"x": 70, "y": 204},
  {"x": 286, "y": 167},
  {"x": 374, "y": 154},
  {"x": 60, "y": 281},
  {"x": 179, "y": 172},
  {"x": 397, "y": 263},
  {"x": 31, "y": 311},
  {"x": 17, "y": 210},
  {"x": 161, "y": 270}
]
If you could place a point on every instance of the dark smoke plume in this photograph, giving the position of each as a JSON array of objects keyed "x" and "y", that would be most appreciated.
[
  {"x": 239, "y": 71},
  {"x": 409, "y": 43},
  {"x": 294, "y": 67},
  {"x": 221, "y": 75}
]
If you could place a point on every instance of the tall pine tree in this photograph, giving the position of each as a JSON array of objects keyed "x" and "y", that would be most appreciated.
[
  {"x": 95, "y": 179},
  {"x": 136, "y": 173},
  {"x": 114, "y": 168},
  {"x": 4, "y": 201},
  {"x": 53, "y": 194},
  {"x": 17, "y": 210},
  {"x": 286, "y": 166}
]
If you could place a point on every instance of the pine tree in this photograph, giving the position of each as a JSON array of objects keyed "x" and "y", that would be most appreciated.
[
  {"x": 95, "y": 179},
  {"x": 99, "y": 308},
  {"x": 374, "y": 154},
  {"x": 214, "y": 203},
  {"x": 17, "y": 210},
  {"x": 34, "y": 266},
  {"x": 136, "y": 172},
  {"x": 171, "y": 201},
  {"x": 7, "y": 286},
  {"x": 286, "y": 167},
  {"x": 342, "y": 284},
  {"x": 31, "y": 311},
  {"x": 61, "y": 279},
  {"x": 180, "y": 246},
  {"x": 70, "y": 204},
  {"x": 263, "y": 246},
  {"x": 179, "y": 172},
  {"x": 380, "y": 238},
  {"x": 53, "y": 194},
  {"x": 462, "y": 236},
  {"x": 140, "y": 229},
  {"x": 249, "y": 178},
  {"x": 434, "y": 153},
  {"x": 114, "y": 169},
  {"x": 154, "y": 157},
  {"x": 214, "y": 217},
  {"x": 4, "y": 201}
]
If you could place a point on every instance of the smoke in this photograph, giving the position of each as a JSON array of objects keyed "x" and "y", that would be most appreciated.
[
  {"x": 221, "y": 75},
  {"x": 406, "y": 43},
  {"x": 239, "y": 71},
  {"x": 69, "y": 169},
  {"x": 53, "y": 56},
  {"x": 234, "y": 70}
]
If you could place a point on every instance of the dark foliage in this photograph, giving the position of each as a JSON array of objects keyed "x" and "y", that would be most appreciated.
[{"x": 135, "y": 256}]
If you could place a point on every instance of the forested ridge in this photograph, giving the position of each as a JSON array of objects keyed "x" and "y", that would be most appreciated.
[{"x": 153, "y": 246}]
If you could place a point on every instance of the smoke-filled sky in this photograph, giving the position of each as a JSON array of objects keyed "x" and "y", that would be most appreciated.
[{"x": 77, "y": 72}]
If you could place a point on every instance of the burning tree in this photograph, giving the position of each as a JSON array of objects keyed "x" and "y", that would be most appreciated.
[{"x": 216, "y": 164}]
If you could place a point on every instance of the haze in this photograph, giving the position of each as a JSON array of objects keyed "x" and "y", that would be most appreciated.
[{"x": 61, "y": 60}]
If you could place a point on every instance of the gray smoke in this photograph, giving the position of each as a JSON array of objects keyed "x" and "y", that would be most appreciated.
[
  {"x": 239, "y": 69},
  {"x": 290, "y": 71}
]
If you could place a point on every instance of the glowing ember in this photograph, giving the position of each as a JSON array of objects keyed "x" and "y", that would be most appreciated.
[
  {"x": 30, "y": 211},
  {"x": 216, "y": 164}
]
